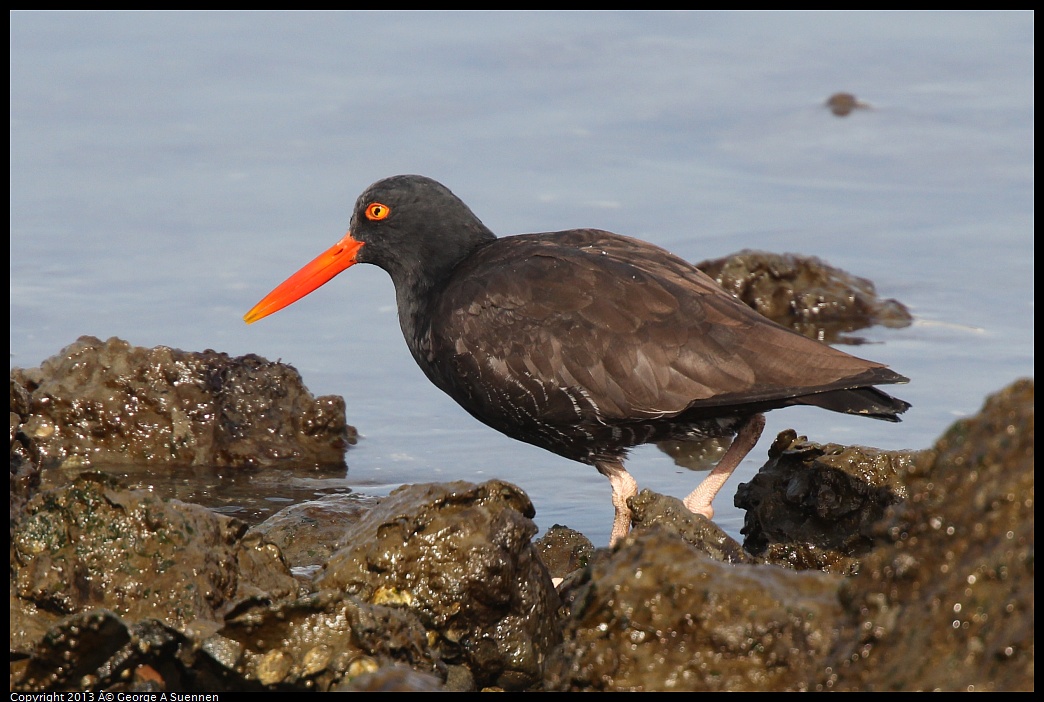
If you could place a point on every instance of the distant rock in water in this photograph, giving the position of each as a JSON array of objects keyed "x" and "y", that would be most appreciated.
[
  {"x": 109, "y": 403},
  {"x": 844, "y": 104},
  {"x": 806, "y": 294}
]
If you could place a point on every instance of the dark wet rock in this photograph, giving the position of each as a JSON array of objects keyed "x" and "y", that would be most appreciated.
[
  {"x": 651, "y": 510},
  {"x": 459, "y": 557},
  {"x": 22, "y": 448},
  {"x": 322, "y": 641},
  {"x": 460, "y": 679},
  {"x": 309, "y": 532},
  {"x": 262, "y": 571},
  {"x": 25, "y": 458},
  {"x": 946, "y": 601},
  {"x": 844, "y": 104},
  {"x": 99, "y": 650},
  {"x": 805, "y": 294},
  {"x": 814, "y": 506},
  {"x": 660, "y": 615},
  {"x": 564, "y": 550},
  {"x": 94, "y": 545},
  {"x": 112, "y": 403}
]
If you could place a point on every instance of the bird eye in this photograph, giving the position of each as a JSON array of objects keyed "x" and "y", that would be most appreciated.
[{"x": 377, "y": 211}]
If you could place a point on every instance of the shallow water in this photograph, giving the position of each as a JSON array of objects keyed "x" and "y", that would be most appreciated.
[{"x": 168, "y": 169}]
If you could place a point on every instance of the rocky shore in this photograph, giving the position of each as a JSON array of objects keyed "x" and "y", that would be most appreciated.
[{"x": 860, "y": 569}]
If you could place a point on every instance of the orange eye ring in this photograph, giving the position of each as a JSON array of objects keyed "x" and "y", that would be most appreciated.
[{"x": 377, "y": 211}]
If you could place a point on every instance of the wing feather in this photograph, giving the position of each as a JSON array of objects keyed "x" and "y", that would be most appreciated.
[{"x": 587, "y": 326}]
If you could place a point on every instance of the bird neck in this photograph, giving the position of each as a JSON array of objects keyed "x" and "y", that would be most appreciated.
[{"x": 419, "y": 283}]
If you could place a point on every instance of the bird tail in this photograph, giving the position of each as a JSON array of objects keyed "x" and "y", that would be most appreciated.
[{"x": 865, "y": 401}]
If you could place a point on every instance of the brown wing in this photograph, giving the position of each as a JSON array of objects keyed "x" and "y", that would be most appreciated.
[{"x": 592, "y": 327}]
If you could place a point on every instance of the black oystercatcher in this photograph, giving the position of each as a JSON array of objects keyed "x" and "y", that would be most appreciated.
[{"x": 584, "y": 342}]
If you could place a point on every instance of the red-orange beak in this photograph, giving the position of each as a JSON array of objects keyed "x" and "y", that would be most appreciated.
[{"x": 320, "y": 271}]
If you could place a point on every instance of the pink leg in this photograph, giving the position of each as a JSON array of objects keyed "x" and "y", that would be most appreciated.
[
  {"x": 624, "y": 486},
  {"x": 699, "y": 500}
]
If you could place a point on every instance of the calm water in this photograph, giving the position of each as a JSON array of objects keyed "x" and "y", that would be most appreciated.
[{"x": 167, "y": 170}]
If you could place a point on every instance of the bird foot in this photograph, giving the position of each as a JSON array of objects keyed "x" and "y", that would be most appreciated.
[{"x": 699, "y": 500}]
